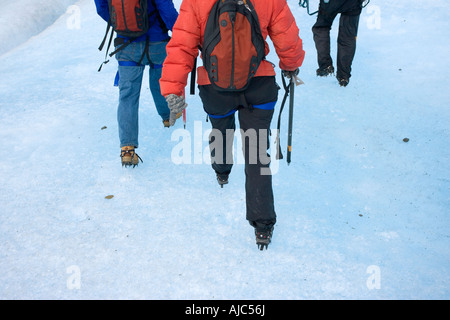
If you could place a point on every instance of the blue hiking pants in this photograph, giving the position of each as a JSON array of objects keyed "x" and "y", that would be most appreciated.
[{"x": 130, "y": 81}]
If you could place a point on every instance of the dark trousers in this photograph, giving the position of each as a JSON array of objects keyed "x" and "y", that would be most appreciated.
[
  {"x": 254, "y": 124},
  {"x": 350, "y": 11}
]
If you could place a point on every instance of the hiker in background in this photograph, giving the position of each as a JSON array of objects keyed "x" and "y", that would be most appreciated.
[
  {"x": 350, "y": 11},
  {"x": 254, "y": 105},
  {"x": 133, "y": 54}
]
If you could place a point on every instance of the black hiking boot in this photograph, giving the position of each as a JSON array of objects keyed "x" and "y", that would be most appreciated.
[
  {"x": 325, "y": 72},
  {"x": 222, "y": 178},
  {"x": 263, "y": 237},
  {"x": 343, "y": 82}
]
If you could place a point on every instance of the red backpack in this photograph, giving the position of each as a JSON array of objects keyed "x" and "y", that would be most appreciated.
[
  {"x": 233, "y": 45},
  {"x": 129, "y": 18}
]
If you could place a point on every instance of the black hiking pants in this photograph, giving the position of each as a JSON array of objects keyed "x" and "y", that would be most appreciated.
[
  {"x": 254, "y": 123},
  {"x": 350, "y": 11}
]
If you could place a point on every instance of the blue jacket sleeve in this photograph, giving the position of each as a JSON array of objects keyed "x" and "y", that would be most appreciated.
[
  {"x": 102, "y": 9},
  {"x": 167, "y": 12}
]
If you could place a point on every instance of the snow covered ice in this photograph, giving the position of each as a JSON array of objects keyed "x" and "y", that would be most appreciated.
[{"x": 362, "y": 214}]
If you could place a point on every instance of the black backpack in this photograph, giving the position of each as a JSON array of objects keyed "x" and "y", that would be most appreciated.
[{"x": 231, "y": 66}]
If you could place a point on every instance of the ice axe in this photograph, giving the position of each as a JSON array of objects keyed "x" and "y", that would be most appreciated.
[{"x": 289, "y": 91}]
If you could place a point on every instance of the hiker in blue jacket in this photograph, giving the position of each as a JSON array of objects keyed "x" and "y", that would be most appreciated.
[{"x": 149, "y": 49}]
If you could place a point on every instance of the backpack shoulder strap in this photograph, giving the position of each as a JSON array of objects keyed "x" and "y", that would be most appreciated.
[{"x": 108, "y": 28}]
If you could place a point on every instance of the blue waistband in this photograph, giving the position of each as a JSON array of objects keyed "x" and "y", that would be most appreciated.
[
  {"x": 128, "y": 64},
  {"x": 264, "y": 106},
  {"x": 153, "y": 37},
  {"x": 222, "y": 116},
  {"x": 135, "y": 64}
]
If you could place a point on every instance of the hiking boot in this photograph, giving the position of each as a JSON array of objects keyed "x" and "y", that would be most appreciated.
[
  {"x": 343, "y": 82},
  {"x": 222, "y": 178},
  {"x": 166, "y": 123},
  {"x": 263, "y": 237},
  {"x": 325, "y": 72},
  {"x": 129, "y": 157}
]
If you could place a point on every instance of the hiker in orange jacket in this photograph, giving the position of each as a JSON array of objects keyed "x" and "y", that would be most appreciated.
[{"x": 255, "y": 106}]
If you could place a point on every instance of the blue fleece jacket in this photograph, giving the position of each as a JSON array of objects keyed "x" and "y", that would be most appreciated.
[{"x": 165, "y": 8}]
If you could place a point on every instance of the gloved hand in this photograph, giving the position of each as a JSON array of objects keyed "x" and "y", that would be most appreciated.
[
  {"x": 176, "y": 105},
  {"x": 290, "y": 74},
  {"x": 293, "y": 75}
]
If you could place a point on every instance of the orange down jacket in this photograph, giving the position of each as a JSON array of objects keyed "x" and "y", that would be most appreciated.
[{"x": 276, "y": 21}]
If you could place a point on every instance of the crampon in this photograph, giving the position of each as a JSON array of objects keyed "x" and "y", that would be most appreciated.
[
  {"x": 129, "y": 157},
  {"x": 263, "y": 238}
]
